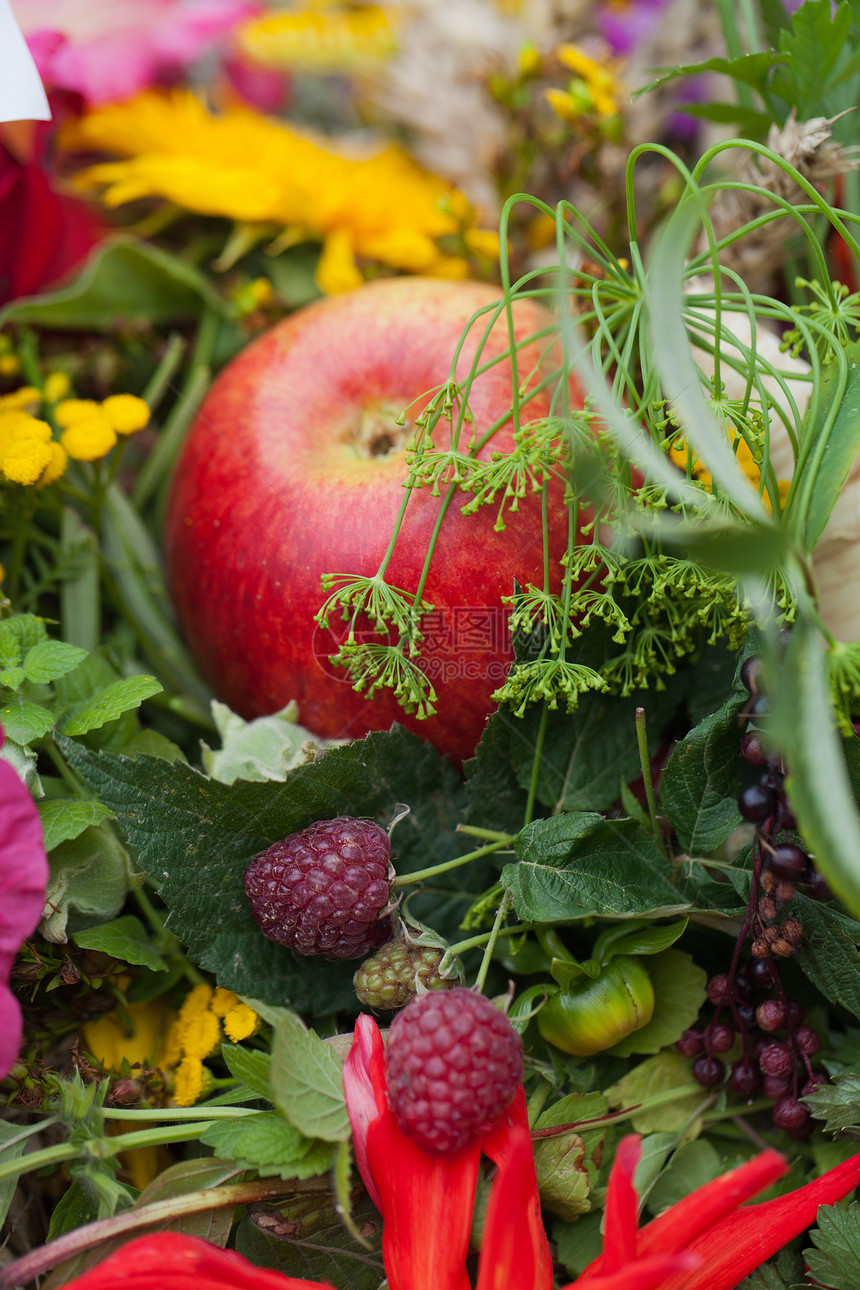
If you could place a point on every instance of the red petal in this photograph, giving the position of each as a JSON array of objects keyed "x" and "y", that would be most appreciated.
[
  {"x": 174, "y": 1262},
  {"x": 745, "y": 1239},
  {"x": 644, "y": 1274},
  {"x": 621, "y": 1223},
  {"x": 365, "y": 1088},
  {"x": 512, "y": 1256},
  {"x": 681, "y": 1224}
]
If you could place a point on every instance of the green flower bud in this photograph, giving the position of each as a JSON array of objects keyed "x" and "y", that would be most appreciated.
[{"x": 591, "y": 1014}]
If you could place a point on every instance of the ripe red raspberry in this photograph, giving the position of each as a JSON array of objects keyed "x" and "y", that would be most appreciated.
[
  {"x": 326, "y": 890},
  {"x": 454, "y": 1063}
]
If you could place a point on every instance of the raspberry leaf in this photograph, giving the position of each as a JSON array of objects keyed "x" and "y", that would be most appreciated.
[
  {"x": 835, "y": 1262},
  {"x": 266, "y": 1142},
  {"x": 307, "y": 1082},
  {"x": 699, "y": 784}
]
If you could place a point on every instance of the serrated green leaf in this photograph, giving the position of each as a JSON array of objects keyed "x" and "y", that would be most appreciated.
[
  {"x": 13, "y": 677},
  {"x": 27, "y": 630},
  {"x": 784, "y": 1272},
  {"x": 251, "y": 1066},
  {"x": 196, "y": 837},
  {"x": 818, "y": 785},
  {"x": 267, "y": 1143},
  {"x": 814, "y": 47},
  {"x": 668, "y": 1070},
  {"x": 835, "y": 1261},
  {"x": 580, "y": 865},
  {"x": 122, "y": 696},
  {"x": 699, "y": 785},
  {"x": 125, "y": 939},
  {"x": 135, "y": 281},
  {"x": 680, "y": 989},
  {"x": 24, "y": 721},
  {"x": 829, "y": 953},
  {"x": 46, "y": 661},
  {"x": 65, "y": 818},
  {"x": 748, "y": 69},
  {"x": 837, "y": 1103},
  {"x": 307, "y": 1082}
]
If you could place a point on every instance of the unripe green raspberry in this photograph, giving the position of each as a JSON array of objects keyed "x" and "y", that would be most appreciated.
[{"x": 398, "y": 972}]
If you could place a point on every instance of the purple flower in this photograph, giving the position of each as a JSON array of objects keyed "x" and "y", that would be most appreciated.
[
  {"x": 626, "y": 25},
  {"x": 23, "y": 882}
]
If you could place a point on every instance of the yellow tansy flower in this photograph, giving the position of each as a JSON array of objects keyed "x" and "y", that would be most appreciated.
[
  {"x": 597, "y": 87},
  {"x": 197, "y": 1033},
  {"x": 378, "y": 204},
  {"x": 683, "y": 456},
  {"x": 10, "y": 364},
  {"x": 25, "y": 451},
  {"x": 25, "y": 399},
  {"x": 56, "y": 387},
  {"x": 89, "y": 438},
  {"x": 240, "y": 1022},
  {"x": 319, "y": 37},
  {"x": 126, "y": 413},
  {"x": 192, "y": 1079},
  {"x": 56, "y": 466},
  {"x": 69, "y": 411}
]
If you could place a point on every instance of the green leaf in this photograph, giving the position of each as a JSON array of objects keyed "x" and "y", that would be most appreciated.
[
  {"x": 784, "y": 1272},
  {"x": 267, "y": 748},
  {"x": 837, "y": 1103},
  {"x": 125, "y": 939},
  {"x": 692, "y": 1166},
  {"x": 90, "y": 876},
  {"x": 212, "y": 1225},
  {"x": 581, "y": 865},
  {"x": 840, "y": 424},
  {"x": 266, "y": 1143},
  {"x": 307, "y": 1082},
  {"x": 658, "y": 1074},
  {"x": 748, "y": 69},
  {"x": 496, "y": 798},
  {"x": 24, "y": 721},
  {"x": 251, "y": 1066},
  {"x": 650, "y": 939},
  {"x": 196, "y": 837},
  {"x": 122, "y": 696},
  {"x": 818, "y": 784},
  {"x": 49, "y": 659},
  {"x": 698, "y": 790},
  {"x": 829, "y": 953},
  {"x": 13, "y": 1140},
  {"x": 314, "y": 1245},
  {"x": 78, "y": 1205},
  {"x": 134, "y": 281},
  {"x": 835, "y": 1261},
  {"x": 814, "y": 47},
  {"x": 65, "y": 818},
  {"x": 680, "y": 989}
]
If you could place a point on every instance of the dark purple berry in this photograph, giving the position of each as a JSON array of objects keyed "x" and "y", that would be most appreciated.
[
  {"x": 745, "y": 1015},
  {"x": 777, "y": 1059},
  {"x": 770, "y": 1015},
  {"x": 762, "y": 972},
  {"x": 816, "y": 1079},
  {"x": 791, "y": 1116},
  {"x": 816, "y": 886},
  {"x": 806, "y": 1041},
  {"x": 744, "y": 1079},
  {"x": 719, "y": 989},
  {"x": 756, "y": 803},
  {"x": 796, "y": 1012},
  {"x": 708, "y": 1071},
  {"x": 690, "y": 1043},
  {"x": 453, "y": 1063},
  {"x": 752, "y": 749},
  {"x": 775, "y": 1087},
  {"x": 789, "y": 862},
  {"x": 325, "y": 891},
  {"x": 719, "y": 1037}
]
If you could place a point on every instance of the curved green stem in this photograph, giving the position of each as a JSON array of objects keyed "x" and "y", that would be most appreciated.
[
  {"x": 501, "y": 914},
  {"x": 407, "y": 879}
]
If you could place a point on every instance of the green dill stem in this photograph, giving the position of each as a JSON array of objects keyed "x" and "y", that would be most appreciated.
[
  {"x": 501, "y": 913},
  {"x": 102, "y": 1148},
  {"x": 406, "y": 879},
  {"x": 536, "y": 761},
  {"x": 645, "y": 763},
  {"x": 178, "y": 1113},
  {"x": 22, "y": 1271}
]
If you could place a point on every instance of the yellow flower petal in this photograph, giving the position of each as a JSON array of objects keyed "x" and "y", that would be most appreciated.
[
  {"x": 56, "y": 387},
  {"x": 190, "y": 1082},
  {"x": 26, "y": 398},
  {"x": 240, "y": 1022},
  {"x": 319, "y": 39},
  {"x": 336, "y": 269},
  {"x": 56, "y": 466},
  {"x": 24, "y": 462},
  {"x": 126, "y": 413},
  {"x": 71, "y": 410},
  {"x": 89, "y": 438}
]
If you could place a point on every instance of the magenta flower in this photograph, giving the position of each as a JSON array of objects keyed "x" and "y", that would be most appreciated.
[
  {"x": 108, "y": 52},
  {"x": 23, "y": 880}
]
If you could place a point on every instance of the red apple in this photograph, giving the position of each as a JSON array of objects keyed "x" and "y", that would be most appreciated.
[{"x": 295, "y": 467}]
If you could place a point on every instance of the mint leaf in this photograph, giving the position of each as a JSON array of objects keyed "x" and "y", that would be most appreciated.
[
  {"x": 699, "y": 785},
  {"x": 196, "y": 837},
  {"x": 835, "y": 1261},
  {"x": 65, "y": 818},
  {"x": 313, "y": 1244},
  {"x": 250, "y": 1066},
  {"x": 125, "y": 939},
  {"x": 266, "y": 1143},
  {"x": 49, "y": 659},
  {"x": 838, "y": 1104},
  {"x": 24, "y": 721},
  {"x": 307, "y": 1082},
  {"x": 580, "y": 865},
  {"x": 122, "y": 696}
]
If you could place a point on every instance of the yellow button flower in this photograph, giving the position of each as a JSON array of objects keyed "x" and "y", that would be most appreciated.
[
  {"x": 71, "y": 410},
  {"x": 89, "y": 438},
  {"x": 126, "y": 413},
  {"x": 56, "y": 387},
  {"x": 26, "y": 398}
]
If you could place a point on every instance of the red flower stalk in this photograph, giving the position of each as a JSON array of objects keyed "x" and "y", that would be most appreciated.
[
  {"x": 706, "y": 1241},
  {"x": 426, "y": 1200}
]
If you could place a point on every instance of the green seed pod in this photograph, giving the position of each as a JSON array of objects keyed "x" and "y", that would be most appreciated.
[{"x": 591, "y": 1014}]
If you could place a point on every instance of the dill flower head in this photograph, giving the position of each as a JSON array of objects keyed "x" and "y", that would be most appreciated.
[{"x": 240, "y": 165}]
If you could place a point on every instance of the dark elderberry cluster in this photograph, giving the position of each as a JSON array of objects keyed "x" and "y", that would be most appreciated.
[
  {"x": 771, "y": 1045},
  {"x": 766, "y": 1041}
]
